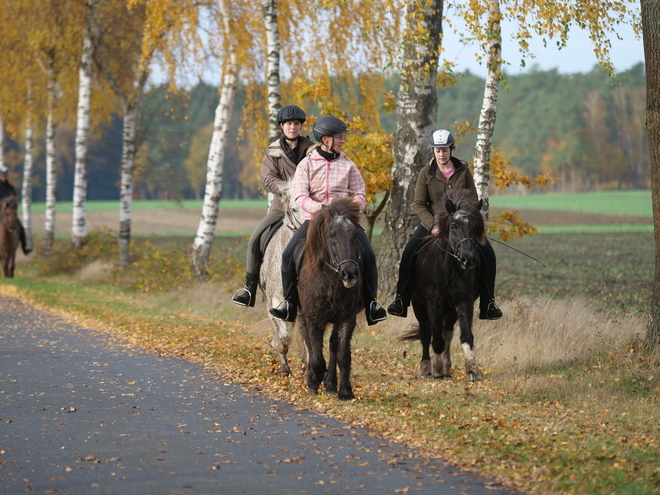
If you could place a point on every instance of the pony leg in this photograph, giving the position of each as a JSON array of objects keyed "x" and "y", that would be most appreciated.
[
  {"x": 344, "y": 359},
  {"x": 280, "y": 343},
  {"x": 472, "y": 373},
  {"x": 316, "y": 366},
  {"x": 421, "y": 312},
  {"x": 330, "y": 380},
  {"x": 442, "y": 347}
]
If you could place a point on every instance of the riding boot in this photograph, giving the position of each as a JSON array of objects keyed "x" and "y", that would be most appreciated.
[
  {"x": 399, "y": 306},
  {"x": 375, "y": 313},
  {"x": 26, "y": 250},
  {"x": 248, "y": 294},
  {"x": 489, "y": 311},
  {"x": 287, "y": 310}
]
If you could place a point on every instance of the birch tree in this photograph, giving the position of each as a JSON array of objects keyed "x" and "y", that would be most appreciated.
[
  {"x": 273, "y": 66},
  {"x": 488, "y": 113},
  {"x": 28, "y": 160},
  {"x": 651, "y": 25},
  {"x": 203, "y": 239},
  {"x": 79, "y": 218},
  {"x": 415, "y": 121}
]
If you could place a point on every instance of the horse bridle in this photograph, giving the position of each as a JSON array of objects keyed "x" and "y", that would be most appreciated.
[
  {"x": 336, "y": 267},
  {"x": 455, "y": 247}
]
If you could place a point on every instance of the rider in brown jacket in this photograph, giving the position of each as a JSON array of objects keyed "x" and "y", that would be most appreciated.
[
  {"x": 443, "y": 172},
  {"x": 277, "y": 167}
]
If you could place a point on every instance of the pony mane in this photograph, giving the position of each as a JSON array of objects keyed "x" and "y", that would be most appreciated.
[
  {"x": 8, "y": 202},
  {"x": 465, "y": 206},
  {"x": 315, "y": 251}
]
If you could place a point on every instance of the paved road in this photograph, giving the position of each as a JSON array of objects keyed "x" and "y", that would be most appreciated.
[{"x": 79, "y": 414}]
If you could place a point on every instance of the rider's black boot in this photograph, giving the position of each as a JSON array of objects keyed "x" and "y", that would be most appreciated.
[
  {"x": 398, "y": 307},
  {"x": 490, "y": 312},
  {"x": 248, "y": 294},
  {"x": 287, "y": 310},
  {"x": 375, "y": 313}
]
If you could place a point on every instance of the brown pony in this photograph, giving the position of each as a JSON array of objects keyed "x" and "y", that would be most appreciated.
[
  {"x": 446, "y": 285},
  {"x": 330, "y": 291},
  {"x": 9, "y": 234}
]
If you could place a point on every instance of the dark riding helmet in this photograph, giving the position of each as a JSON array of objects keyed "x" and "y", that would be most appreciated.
[
  {"x": 328, "y": 126},
  {"x": 291, "y": 112},
  {"x": 441, "y": 139}
]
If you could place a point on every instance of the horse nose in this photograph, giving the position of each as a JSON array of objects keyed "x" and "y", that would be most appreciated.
[
  {"x": 467, "y": 262},
  {"x": 349, "y": 277}
]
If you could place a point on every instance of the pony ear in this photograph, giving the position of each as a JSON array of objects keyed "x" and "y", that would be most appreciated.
[
  {"x": 481, "y": 203},
  {"x": 450, "y": 207}
]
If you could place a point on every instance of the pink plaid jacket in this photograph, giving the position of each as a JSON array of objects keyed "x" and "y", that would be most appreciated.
[{"x": 317, "y": 182}]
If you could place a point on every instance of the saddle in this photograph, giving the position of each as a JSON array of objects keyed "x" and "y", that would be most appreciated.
[{"x": 265, "y": 238}]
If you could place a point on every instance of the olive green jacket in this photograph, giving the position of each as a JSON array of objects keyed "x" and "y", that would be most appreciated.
[{"x": 432, "y": 186}]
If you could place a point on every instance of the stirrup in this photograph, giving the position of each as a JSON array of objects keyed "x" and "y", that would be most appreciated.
[
  {"x": 398, "y": 308},
  {"x": 238, "y": 299},
  {"x": 491, "y": 312},
  {"x": 282, "y": 314},
  {"x": 376, "y": 313}
]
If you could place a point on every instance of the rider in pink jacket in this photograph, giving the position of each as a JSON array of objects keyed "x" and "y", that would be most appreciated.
[{"x": 324, "y": 175}]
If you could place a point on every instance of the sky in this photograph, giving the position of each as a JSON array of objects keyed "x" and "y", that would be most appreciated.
[{"x": 577, "y": 56}]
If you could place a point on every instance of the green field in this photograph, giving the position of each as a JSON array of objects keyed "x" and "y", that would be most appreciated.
[{"x": 637, "y": 203}]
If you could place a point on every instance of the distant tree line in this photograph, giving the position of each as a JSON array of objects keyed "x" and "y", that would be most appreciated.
[{"x": 586, "y": 128}]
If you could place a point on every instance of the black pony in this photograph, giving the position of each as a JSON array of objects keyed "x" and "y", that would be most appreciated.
[
  {"x": 447, "y": 284},
  {"x": 330, "y": 291}
]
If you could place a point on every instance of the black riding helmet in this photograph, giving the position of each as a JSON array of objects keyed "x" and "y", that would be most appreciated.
[
  {"x": 328, "y": 126},
  {"x": 291, "y": 112}
]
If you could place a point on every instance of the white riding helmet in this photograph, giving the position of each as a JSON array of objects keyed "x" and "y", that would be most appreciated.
[
  {"x": 441, "y": 139},
  {"x": 3, "y": 169}
]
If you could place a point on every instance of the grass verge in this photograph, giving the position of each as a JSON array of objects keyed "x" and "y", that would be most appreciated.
[{"x": 568, "y": 403}]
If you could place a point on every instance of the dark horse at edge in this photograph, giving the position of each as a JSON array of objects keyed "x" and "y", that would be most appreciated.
[
  {"x": 9, "y": 234},
  {"x": 330, "y": 289},
  {"x": 446, "y": 285}
]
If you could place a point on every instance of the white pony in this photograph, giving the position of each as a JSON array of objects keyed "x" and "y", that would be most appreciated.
[{"x": 270, "y": 276}]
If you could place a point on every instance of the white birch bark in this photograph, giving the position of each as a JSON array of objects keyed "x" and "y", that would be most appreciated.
[
  {"x": 79, "y": 222},
  {"x": 26, "y": 191},
  {"x": 489, "y": 106},
  {"x": 273, "y": 67},
  {"x": 417, "y": 108},
  {"x": 206, "y": 229},
  {"x": 51, "y": 174},
  {"x": 273, "y": 72},
  {"x": 126, "y": 192}
]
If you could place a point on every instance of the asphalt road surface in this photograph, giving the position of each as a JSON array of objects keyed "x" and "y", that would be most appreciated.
[{"x": 81, "y": 414}]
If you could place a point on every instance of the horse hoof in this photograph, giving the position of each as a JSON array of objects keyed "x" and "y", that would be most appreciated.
[
  {"x": 331, "y": 389},
  {"x": 312, "y": 391},
  {"x": 473, "y": 377},
  {"x": 345, "y": 395}
]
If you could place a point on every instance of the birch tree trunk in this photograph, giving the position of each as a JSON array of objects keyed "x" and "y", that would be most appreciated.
[
  {"x": 203, "y": 240},
  {"x": 79, "y": 223},
  {"x": 273, "y": 72},
  {"x": 26, "y": 191},
  {"x": 51, "y": 174},
  {"x": 273, "y": 67},
  {"x": 489, "y": 106},
  {"x": 126, "y": 193},
  {"x": 651, "y": 35},
  {"x": 415, "y": 121}
]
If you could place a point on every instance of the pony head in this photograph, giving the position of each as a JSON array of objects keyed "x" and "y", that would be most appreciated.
[{"x": 462, "y": 226}]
